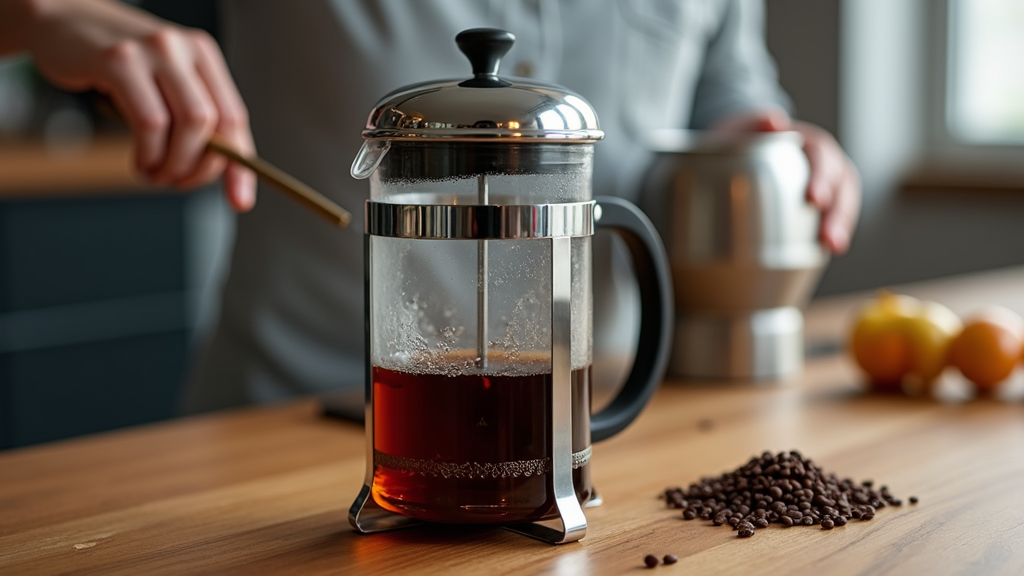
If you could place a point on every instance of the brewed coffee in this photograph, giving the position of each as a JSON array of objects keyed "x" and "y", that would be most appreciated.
[{"x": 473, "y": 447}]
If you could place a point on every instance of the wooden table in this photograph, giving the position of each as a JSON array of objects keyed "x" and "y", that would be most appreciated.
[
  {"x": 267, "y": 490},
  {"x": 33, "y": 170}
]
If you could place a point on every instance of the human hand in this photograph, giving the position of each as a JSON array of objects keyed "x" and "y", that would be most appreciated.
[
  {"x": 834, "y": 185},
  {"x": 171, "y": 84}
]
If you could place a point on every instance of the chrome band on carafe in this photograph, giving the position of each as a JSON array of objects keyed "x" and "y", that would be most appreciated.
[{"x": 470, "y": 222}]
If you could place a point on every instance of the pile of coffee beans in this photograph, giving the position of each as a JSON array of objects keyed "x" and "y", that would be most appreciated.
[{"x": 783, "y": 488}]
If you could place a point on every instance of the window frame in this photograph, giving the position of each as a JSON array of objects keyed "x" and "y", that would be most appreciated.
[{"x": 943, "y": 146}]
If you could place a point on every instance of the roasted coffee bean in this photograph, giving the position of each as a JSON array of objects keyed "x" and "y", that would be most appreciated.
[
  {"x": 839, "y": 520},
  {"x": 745, "y": 532},
  {"x": 670, "y": 559},
  {"x": 689, "y": 514},
  {"x": 651, "y": 560},
  {"x": 823, "y": 500},
  {"x": 912, "y": 499},
  {"x": 827, "y": 523},
  {"x": 786, "y": 521},
  {"x": 760, "y": 522}
]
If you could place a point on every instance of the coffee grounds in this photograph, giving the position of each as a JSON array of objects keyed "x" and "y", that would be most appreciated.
[{"x": 783, "y": 488}]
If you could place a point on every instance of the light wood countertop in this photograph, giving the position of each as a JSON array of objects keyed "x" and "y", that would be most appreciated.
[
  {"x": 267, "y": 490},
  {"x": 30, "y": 169}
]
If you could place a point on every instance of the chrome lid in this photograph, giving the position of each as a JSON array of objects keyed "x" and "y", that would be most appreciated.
[{"x": 485, "y": 107}]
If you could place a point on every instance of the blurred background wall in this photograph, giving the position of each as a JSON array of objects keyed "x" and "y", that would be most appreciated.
[{"x": 105, "y": 284}]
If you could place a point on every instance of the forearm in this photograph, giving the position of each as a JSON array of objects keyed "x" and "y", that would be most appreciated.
[{"x": 739, "y": 75}]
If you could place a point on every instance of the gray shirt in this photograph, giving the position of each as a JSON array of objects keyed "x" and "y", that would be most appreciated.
[{"x": 291, "y": 319}]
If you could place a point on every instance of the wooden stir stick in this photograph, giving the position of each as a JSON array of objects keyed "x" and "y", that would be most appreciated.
[{"x": 284, "y": 182}]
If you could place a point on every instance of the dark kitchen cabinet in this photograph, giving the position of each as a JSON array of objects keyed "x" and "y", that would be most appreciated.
[{"x": 94, "y": 318}]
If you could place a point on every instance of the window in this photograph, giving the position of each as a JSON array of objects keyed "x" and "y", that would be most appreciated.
[{"x": 985, "y": 72}]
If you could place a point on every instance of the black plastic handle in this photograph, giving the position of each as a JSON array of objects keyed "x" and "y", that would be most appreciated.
[
  {"x": 656, "y": 315},
  {"x": 485, "y": 47}
]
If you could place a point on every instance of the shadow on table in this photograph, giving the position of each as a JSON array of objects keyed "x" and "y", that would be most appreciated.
[{"x": 326, "y": 542}]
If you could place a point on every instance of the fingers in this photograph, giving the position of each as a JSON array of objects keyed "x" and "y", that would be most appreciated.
[
  {"x": 130, "y": 84},
  {"x": 839, "y": 220},
  {"x": 765, "y": 120},
  {"x": 774, "y": 120},
  {"x": 192, "y": 109},
  {"x": 827, "y": 163},
  {"x": 175, "y": 90},
  {"x": 240, "y": 187},
  {"x": 205, "y": 98},
  {"x": 833, "y": 187},
  {"x": 239, "y": 182}
]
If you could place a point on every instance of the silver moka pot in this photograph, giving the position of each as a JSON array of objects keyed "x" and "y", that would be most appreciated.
[{"x": 743, "y": 247}]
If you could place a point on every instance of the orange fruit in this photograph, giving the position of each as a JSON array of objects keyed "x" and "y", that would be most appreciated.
[
  {"x": 877, "y": 342},
  {"x": 988, "y": 347},
  {"x": 930, "y": 333},
  {"x": 899, "y": 340}
]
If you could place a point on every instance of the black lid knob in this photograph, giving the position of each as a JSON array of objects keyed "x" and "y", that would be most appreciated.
[{"x": 484, "y": 47}]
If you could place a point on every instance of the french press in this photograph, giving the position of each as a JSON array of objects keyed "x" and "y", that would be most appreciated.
[{"x": 478, "y": 303}]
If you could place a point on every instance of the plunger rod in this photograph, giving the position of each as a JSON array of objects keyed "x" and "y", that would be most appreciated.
[{"x": 481, "y": 282}]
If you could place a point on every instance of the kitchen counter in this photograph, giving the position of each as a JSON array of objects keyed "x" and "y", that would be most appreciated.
[
  {"x": 31, "y": 169},
  {"x": 267, "y": 490}
]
